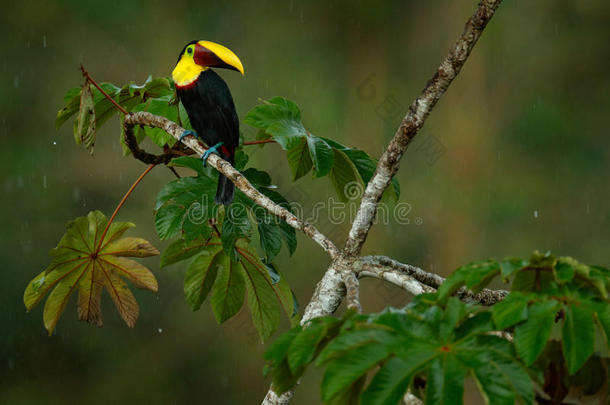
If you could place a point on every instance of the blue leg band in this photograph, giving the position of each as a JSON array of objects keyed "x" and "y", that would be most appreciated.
[
  {"x": 207, "y": 153},
  {"x": 186, "y": 133}
]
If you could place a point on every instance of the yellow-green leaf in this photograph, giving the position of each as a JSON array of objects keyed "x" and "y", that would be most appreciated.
[{"x": 88, "y": 258}]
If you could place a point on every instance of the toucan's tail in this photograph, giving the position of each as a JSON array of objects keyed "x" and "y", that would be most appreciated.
[{"x": 224, "y": 193}]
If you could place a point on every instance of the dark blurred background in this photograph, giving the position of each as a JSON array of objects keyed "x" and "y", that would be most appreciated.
[{"x": 513, "y": 158}]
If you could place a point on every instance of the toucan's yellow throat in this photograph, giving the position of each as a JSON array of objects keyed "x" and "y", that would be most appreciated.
[{"x": 198, "y": 56}]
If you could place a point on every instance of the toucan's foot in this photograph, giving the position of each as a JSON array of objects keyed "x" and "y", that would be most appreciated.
[
  {"x": 186, "y": 133},
  {"x": 207, "y": 153}
]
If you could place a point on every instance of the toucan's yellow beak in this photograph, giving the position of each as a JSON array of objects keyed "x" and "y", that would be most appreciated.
[{"x": 210, "y": 54}]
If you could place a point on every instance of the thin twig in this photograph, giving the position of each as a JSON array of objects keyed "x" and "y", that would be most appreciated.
[
  {"x": 174, "y": 171},
  {"x": 118, "y": 207},
  {"x": 418, "y": 281}
]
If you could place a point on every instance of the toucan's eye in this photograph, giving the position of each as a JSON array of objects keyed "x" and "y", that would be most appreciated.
[{"x": 190, "y": 50}]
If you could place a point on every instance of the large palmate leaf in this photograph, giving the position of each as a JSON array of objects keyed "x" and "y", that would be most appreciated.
[
  {"x": 440, "y": 345},
  {"x": 88, "y": 260},
  {"x": 227, "y": 282},
  {"x": 547, "y": 292},
  {"x": 280, "y": 119}
]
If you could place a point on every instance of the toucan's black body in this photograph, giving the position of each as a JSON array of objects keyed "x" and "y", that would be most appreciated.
[{"x": 212, "y": 114}]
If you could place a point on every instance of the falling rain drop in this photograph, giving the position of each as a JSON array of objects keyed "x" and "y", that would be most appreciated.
[
  {"x": 54, "y": 143},
  {"x": 44, "y": 181},
  {"x": 535, "y": 213},
  {"x": 44, "y": 41},
  {"x": 160, "y": 330}
]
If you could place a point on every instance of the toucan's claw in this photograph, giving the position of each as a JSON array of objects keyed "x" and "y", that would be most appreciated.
[
  {"x": 207, "y": 153},
  {"x": 186, "y": 133}
]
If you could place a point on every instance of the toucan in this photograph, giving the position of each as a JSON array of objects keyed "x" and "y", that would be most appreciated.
[{"x": 209, "y": 104}]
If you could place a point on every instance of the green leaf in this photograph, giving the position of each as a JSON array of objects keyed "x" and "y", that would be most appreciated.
[
  {"x": 272, "y": 110},
  {"x": 72, "y": 100},
  {"x": 445, "y": 383},
  {"x": 563, "y": 271},
  {"x": 501, "y": 378},
  {"x": 84, "y": 125},
  {"x": 346, "y": 370},
  {"x": 104, "y": 109},
  {"x": 391, "y": 381},
  {"x": 510, "y": 265},
  {"x": 185, "y": 204},
  {"x": 345, "y": 178},
  {"x": 262, "y": 297},
  {"x": 84, "y": 262},
  {"x": 181, "y": 250},
  {"x": 578, "y": 336},
  {"x": 280, "y": 118},
  {"x": 156, "y": 88},
  {"x": 236, "y": 225},
  {"x": 159, "y": 106},
  {"x": 322, "y": 155},
  {"x": 191, "y": 163},
  {"x": 364, "y": 164},
  {"x": 277, "y": 350},
  {"x": 228, "y": 280},
  {"x": 439, "y": 344},
  {"x": 168, "y": 221},
  {"x": 270, "y": 236},
  {"x": 201, "y": 274},
  {"x": 288, "y": 233},
  {"x": 289, "y": 236},
  {"x": 299, "y": 159},
  {"x": 352, "y": 341},
  {"x": 475, "y": 276},
  {"x": 304, "y": 346},
  {"x": 531, "y": 336},
  {"x": 603, "y": 320},
  {"x": 229, "y": 289},
  {"x": 510, "y": 311}
]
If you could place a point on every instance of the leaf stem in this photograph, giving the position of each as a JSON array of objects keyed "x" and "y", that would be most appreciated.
[
  {"x": 97, "y": 86},
  {"x": 118, "y": 207},
  {"x": 215, "y": 229},
  {"x": 258, "y": 142}
]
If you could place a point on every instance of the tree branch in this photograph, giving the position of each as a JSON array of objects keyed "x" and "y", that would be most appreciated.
[
  {"x": 331, "y": 289},
  {"x": 414, "y": 120},
  {"x": 417, "y": 281},
  {"x": 352, "y": 289},
  {"x": 175, "y": 130}
]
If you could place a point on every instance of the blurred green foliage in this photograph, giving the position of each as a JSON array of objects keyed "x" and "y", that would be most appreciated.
[{"x": 521, "y": 160}]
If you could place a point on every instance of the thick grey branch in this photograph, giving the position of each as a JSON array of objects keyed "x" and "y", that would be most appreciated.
[
  {"x": 175, "y": 130},
  {"x": 414, "y": 120}
]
